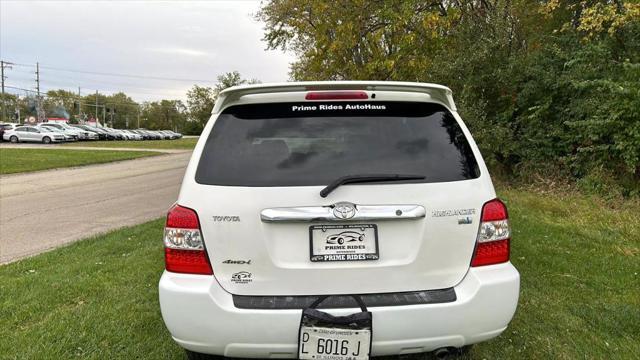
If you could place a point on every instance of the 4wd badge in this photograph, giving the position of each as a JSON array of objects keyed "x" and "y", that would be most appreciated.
[{"x": 237, "y": 262}]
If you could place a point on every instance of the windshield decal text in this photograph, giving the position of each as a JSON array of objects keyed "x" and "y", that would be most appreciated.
[{"x": 334, "y": 107}]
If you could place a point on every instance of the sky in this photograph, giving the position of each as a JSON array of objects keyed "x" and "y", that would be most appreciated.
[{"x": 178, "y": 40}]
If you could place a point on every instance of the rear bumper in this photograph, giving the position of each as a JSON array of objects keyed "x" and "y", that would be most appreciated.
[{"x": 201, "y": 317}]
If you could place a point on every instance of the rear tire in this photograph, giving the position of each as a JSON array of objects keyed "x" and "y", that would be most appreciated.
[
  {"x": 198, "y": 356},
  {"x": 46, "y": 140},
  {"x": 13, "y": 139}
]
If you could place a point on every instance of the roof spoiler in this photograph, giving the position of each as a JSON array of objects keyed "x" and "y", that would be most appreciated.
[{"x": 438, "y": 92}]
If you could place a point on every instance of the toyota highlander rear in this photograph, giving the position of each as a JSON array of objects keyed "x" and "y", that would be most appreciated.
[{"x": 298, "y": 190}]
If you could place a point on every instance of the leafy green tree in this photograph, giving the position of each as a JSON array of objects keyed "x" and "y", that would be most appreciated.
[
  {"x": 200, "y": 99},
  {"x": 163, "y": 115},
  {"x": 546, "y": 87},
  {"x": 122, "y": 110},
  {"x": 59, "y": 103}
]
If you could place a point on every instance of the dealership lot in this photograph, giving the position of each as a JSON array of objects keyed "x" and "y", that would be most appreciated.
[{"x": 42, "y": 210}]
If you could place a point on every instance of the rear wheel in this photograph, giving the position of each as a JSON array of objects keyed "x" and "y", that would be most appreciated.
[
  {"x": 46, "y": 140},
  {"x": 198, "y": 356},
  {"x": 13, "y": 139}
]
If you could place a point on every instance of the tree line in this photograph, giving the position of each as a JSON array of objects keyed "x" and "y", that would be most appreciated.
[
  {"x": 120, "y": 111},
  {"x": 549, "y": 88}
]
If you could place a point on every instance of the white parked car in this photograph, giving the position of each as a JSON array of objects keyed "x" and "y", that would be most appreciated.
[
  {"x": 75, "y": 133},
  {"x": 67, "y": 136},
  {"x": 32, "y": 134},
  {"x": 365, "y": 189},
  {"x": 131, "y": 135}
]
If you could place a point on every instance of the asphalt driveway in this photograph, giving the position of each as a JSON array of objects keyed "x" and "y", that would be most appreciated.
[{"x": 43, "y": 210}]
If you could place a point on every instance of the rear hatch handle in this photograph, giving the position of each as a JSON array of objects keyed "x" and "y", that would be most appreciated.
[{"x": 343, "y": 211}]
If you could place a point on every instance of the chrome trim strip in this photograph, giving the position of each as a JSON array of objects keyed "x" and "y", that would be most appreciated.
[{"x": 325, "y": 213}]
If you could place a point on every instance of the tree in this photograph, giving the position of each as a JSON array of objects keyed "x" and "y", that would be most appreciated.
[
  {"x": 59, "y": 103},
  {"x": 122, "y": 111},
  {"x": 163, "y": 115},
  {"x": 546, "y": 87},
  {"x": 200, "y": 99}
]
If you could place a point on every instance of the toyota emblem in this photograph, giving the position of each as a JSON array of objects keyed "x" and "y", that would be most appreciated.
[{"x": 344, "y": 210}]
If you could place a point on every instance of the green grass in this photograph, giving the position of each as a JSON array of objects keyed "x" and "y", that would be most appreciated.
[
  {"x": 580, "y": 297},
  {"x": 179, "y": 144},
  {"x": 96, "y": 299},
  {"x": 25, "y": 160}
]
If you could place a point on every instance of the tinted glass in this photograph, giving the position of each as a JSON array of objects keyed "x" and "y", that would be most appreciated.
[{"x": 289, "y": 144}]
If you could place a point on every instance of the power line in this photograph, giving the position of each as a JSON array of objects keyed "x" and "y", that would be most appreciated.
[{"x": 121, "y": 74}]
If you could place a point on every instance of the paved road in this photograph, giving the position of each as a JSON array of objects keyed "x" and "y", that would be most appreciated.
[
  {"x": 43, "y": 210},
  {"x": 80, "y": 147}
]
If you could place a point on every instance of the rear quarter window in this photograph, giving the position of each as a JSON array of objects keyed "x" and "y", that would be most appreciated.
[{"x": 313, "y": 143}]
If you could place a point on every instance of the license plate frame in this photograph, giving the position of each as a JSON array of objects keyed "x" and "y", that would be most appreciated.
[
  {"x": 341, "y": 251},
  {"x": 328, "y": 343}
]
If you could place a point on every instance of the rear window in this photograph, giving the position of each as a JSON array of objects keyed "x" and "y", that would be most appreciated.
[{"x": 298, "y": 144}]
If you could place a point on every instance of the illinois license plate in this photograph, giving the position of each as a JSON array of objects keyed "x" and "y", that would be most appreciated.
[
  {"x": 321, "y": 343},
  {"x": 346, "y": 242}
]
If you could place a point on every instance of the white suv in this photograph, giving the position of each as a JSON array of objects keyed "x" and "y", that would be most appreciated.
[{"x": 366, "y": 188}]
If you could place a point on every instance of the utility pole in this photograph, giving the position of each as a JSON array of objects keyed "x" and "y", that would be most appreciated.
[
  {"x": 96, "y": 108},
  {"x": 39, "y": 98},
  {"x": 79, "y": 105},
  {"x": 3, "y": 65},
  {"x": 38, "y": 78},
  {"x": 138, "y": 116},
  {"x": 2, "y": 77}
]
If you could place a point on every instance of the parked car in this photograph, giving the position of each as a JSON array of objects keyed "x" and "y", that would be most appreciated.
[
  {"x": 144, "y": 135},
  {"x": 32, "y": 134},
  {"x": 67, "y": 135},
  {"x": 75, "y": 133},
  {"x": 168, "y": 134},
  {"x": 98, "y": 134},
  {"x": 154, "y": 135},
  {"x": 151, "y": 134},
  {"x": 108, "y": 135},
  {"x": 117, "y": 135},
  {"x": 392, "y": 161},
  {"x": 5, "y": 127},
  {"x": 84, "y": 135},
  {"x": 132, "y": 135}
]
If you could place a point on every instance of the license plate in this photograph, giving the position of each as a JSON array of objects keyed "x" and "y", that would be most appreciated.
[
  {"x": 321, "y": 343},
  {"x": 352, "y": 242}
]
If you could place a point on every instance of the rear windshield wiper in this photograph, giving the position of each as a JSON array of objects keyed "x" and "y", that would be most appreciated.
[{"x": 351, "y": 179}]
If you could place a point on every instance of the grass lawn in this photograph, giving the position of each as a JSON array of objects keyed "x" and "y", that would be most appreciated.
[
  {"x": 24, "y": 160},
  {"x": 580, "y": 296},
  {"x": 183, "y": 143}
]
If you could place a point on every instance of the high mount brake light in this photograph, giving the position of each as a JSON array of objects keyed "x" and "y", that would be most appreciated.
[
  {"x": 184, "y": 250},
  {"x": 492, "y": 244},
  {"x": 336, "y": 95}
]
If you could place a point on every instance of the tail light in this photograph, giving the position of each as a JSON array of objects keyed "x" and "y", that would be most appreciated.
[
  {"x": 336, "y": 95},
  {"x": 492, "y": 244},
  {"x": 184, "y": 250}
]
